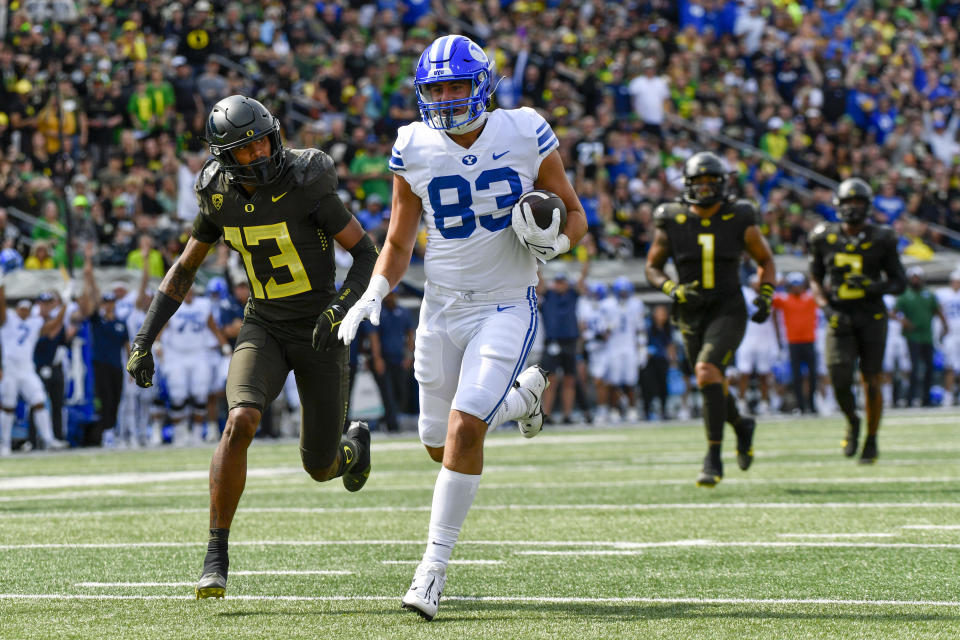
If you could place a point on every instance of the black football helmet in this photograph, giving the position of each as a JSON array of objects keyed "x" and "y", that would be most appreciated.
[
  {"x": 704, "y": 193},
  {"x": 236, "y": 121},
  {"x": 853, "y": 200}
]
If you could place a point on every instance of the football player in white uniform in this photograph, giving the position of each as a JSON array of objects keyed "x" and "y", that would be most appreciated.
[
  {"x": 624, "y": 313},
  {"x": 756, "y": 354},
  {"x": 949, "y": 298},
  {"x": 896, "y": 357},
  {"x": 18, "y": 338},
  {"x": 185, "y": 341},
  {"x": 464, "y": 168},
  {"x": 594, "y": 329}
]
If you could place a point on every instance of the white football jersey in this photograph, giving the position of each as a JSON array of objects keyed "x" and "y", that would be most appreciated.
[
  {"x": 591, "y": 318},
  {"x": 624, "y": 320},
  {"x": 467, "y": 195},
  {"x": 894, "y": 328},
  {"x": 19, "y": 339},
  {"x": 762, "y": 332},
  {"x": 950, "y": 303},
  {"x": 187, "y": 330},
  {"x": 125, "y": 305}
]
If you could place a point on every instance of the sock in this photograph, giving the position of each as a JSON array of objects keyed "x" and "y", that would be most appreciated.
[
  {"x": 515, "y": 405},
  {"x": 887, "y": 394},
  {"x": 452, "y": 497},
  {"x": 714, "y": 413},
  {"x": 217, "y": 560},
  {"x": 44, "y": 426},
  {"x": 733, "y": 414},
  {"x": 847, "y": 403},
  {"x": 347, "y": 458},
  {"x": 6, "y": 428}
]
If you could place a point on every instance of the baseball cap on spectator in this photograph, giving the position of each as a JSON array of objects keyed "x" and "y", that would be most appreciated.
[
  {"x": 795, "y": 279},
  {"x": 46, "y": 296},
  {"x": 561, "y": 275},
  {"x": 833, "y": 74},
  {"x": 915, "y": 271},
  {"x": 178, "y": 61},
  {"x": 109, "y": 296},
  {"x": 24, "y": 303},
  {"x": 955, "y": 274},
  {"x": 813, "y": 112},
  {"x": 80, "y": 200},
  {"x": 775, "y": 123}
]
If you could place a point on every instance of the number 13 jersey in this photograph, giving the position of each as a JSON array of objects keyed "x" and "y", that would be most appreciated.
[
  {"x": 283, "y": 231},
  {"x": 467, "y": 195}
]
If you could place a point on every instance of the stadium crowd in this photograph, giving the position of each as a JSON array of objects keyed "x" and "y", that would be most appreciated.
[{"x": 104, "y": 107}]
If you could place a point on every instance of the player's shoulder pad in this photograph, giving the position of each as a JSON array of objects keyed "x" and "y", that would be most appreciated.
[
  {"x": 747, "y": 209},
  {"x": 207, "y": 175},
  {"x": 528, "y": 120},
  {"x": 312, "y": 166},
  {"x": 883, "y": 233},
  {"x": 666, "y": 212}
]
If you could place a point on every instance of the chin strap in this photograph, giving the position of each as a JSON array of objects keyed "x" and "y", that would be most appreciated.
[{"x": 473, "y": 125}]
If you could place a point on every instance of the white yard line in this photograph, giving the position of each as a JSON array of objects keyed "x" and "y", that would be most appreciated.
[
  {"x": 484, "y": 562},
  {"x": 522, "y": 599},
  {"x": 836, "y": 535},
  {"x": 600, "y": 546},
  {"x": 697, "y": 506},
  {"x": 232, "y": 574},
  {"x": 932, "y": 527}
]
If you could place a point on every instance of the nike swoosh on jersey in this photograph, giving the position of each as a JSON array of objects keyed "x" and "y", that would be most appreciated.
[
  {"x": 275, "y": 198},
  {"x": 499, "y": 308},
  {"x": 728, "y": 216},
  {"x": 497, "y": 156}
]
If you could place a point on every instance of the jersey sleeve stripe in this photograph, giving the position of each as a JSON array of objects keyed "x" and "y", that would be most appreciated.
[
  {"x": 540, "y": 130},
  {"x": 550, "y": 146},
  {"x": 546, "y": 135}
]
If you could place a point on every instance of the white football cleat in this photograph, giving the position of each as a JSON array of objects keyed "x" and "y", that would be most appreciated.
[
  {"x": 533, "y": 380},
  {"x": 424, "y": 593},
  {"x": 55, "y": 444}
]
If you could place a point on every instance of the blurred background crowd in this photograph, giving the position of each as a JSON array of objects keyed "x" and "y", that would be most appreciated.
[{"x": 103, "y": 107}]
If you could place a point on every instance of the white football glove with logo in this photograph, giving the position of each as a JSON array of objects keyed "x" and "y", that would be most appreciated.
[
  {"x": 368, "y": 306},
  {"x": 544, "y": 244}
]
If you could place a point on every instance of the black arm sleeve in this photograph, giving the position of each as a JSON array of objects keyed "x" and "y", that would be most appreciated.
[
  {"x": 896, "y": 280},
  {"x": 358, "y": 277},
  {"x": 160, "y": 311}
]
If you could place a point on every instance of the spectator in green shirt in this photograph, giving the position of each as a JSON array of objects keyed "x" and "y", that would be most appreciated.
[{"x": 915, "y": 309}]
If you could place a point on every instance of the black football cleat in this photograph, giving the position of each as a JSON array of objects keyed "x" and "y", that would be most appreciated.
[
  {"x": 356, "y": 477},
  {"x": 850, "y": 440},
  {"x": 212, "y": 585},
  {"x": 745, "y": 442},
  {"x": 712, "y": 471},
  {"x": 870, "y": 453}
]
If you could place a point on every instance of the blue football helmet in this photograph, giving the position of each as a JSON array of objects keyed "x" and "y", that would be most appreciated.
[
  {"x": 10, "y": 260},
  {"x": 622, "y": 286},
  {"x": 598, "y": 290},
  {"x": 453, "y": 58},
  {"x": 217, "y": 286}
]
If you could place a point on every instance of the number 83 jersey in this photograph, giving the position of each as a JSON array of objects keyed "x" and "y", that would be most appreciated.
[
  {"x": 467, "y": 195},
  {"x": 283, "y": 231}
]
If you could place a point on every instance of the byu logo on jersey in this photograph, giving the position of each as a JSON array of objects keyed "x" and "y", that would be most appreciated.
[
  {"x": 469, "y": 160},
  {"x": 217, "y": 200}
]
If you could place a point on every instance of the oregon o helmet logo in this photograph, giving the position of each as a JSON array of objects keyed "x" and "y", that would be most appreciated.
[
  {"x": 249, "y": 133},
  {"x": 248, "y": 207}
]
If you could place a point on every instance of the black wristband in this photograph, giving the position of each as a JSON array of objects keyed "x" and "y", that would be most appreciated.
[
  {"x": 358, "y": 277},
  {"x": 160, "y": 311}
]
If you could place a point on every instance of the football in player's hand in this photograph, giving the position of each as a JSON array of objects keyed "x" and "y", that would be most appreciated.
[{"x": 542, "y": 203}]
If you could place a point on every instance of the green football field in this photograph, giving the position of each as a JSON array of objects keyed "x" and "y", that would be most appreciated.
[{"x": 578, "y": 533}]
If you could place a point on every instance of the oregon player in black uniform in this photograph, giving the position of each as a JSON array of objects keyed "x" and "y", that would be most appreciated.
[
  {"x": 705, "y": 234},
  {"x": 853, "y": 263},
  {"x": 278, "y": 208}
]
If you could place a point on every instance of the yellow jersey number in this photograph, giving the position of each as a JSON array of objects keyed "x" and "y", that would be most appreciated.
[
  {"x": 855, "y": 262},
  {"x": 240, "y": 237},
  {"x": 706, "y": 242}
]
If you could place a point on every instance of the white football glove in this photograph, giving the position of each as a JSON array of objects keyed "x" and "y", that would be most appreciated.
[
  {"x": 368, "y": 306},
  {"x": 544, "y": 244}
]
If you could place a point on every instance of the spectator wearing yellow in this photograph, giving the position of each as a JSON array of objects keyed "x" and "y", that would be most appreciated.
[
  {"x": 40, "y": 257},
  {"x": 156, "y": 267}
]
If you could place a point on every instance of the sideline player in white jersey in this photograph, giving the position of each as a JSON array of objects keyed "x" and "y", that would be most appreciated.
[
  {"x": 624, "y": 313},
  {"x": 186, "y": 363},
  {"x": 18, "y": 338},
  {"x": 464, "y": 168},
  {"x": 949, "y": 298},
  {"x": 896, "y": 357},
  {"x": 758, "y": 350},
  {"x": 593, "y": 328}
]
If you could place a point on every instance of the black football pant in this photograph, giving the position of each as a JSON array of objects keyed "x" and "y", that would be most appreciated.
[
  {"x": 803, "y": 353},
  {"x": 921, "y": 355}
]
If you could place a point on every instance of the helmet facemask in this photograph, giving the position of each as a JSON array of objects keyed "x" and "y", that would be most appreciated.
[
  {"x": 260, "y": 172},
  {"x": 705, "y": 190}
]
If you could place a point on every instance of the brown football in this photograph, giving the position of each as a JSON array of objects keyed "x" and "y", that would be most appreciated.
[{"x": 542, "y": 203}]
